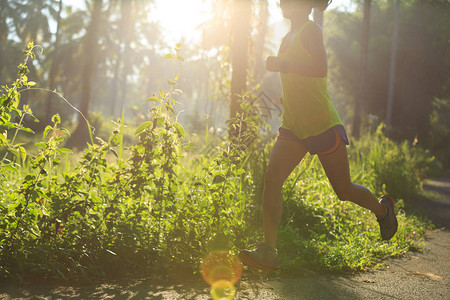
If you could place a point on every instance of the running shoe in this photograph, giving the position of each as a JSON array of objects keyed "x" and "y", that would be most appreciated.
[
  {"x": 263, "y": 257},
  {"x": 388, "y": 224}
]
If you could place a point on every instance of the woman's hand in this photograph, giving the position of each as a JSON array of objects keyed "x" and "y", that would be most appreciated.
[{"x": 273, "y": 64}]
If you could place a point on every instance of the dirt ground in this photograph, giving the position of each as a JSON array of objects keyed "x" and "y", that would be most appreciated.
[{"x": 424, "y": 275}]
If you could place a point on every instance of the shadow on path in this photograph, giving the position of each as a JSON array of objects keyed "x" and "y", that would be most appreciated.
[
  {"x": 301, "y": 287},
  {"x": 149, "y": 288}
]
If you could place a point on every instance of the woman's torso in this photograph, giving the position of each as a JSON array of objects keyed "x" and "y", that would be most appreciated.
[{"x": 307, "y": 107}]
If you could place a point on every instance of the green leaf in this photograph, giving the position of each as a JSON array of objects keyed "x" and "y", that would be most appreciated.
[
  {"x": 160, "y": 121},
  {"x": 23, "y": 154},
  {"x": 218, "y": 179},
  {"x": 143, "y": 126},
  {"x": 9, "y": 168},
  {"x": 26, "y": 129},
  {"x": 239, "y": 172},
  {"x": 9, "y": 124},
  {"x": 26, "y": 109},
  {"x": 65, "y": 130},
  {"x": 46, "y": 130},
  {"x": 64, "y": 151},
  {"x": 152, "y": 99},
  {"x": 114, "y": 152},
  {"x": 41, "y": 144},
  {"x": 56, "y": 119},
  {"x": 15, "y": 152},
  {"x": 161, "y": 92},
  {"x": 179, "y": 129},
  {"x": 170, "y": 108},
  {"x": 168, "y": 56},
  {"x": 3, "y": 136}
]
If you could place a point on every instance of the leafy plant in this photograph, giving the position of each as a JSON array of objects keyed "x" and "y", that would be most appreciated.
[{"x": 12, "y": 116}]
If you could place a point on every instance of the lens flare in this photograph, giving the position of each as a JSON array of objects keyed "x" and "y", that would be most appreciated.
[
  {"x": 221, "y": 266},
  {"x": 223, "y": 290}
]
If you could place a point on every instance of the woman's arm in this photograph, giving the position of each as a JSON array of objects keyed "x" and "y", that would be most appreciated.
[{"x": 313, "y": 42}]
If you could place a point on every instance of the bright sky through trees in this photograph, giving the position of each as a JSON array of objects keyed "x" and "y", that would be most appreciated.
[{"x": 180, "y": 18}]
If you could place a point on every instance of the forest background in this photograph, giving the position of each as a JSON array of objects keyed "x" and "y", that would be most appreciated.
[
  {"x": 127, "y": 49},
  {"x": 108, "y": 57}
]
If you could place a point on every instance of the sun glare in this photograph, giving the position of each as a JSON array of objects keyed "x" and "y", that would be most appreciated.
[{"x": 180, "y": 19}]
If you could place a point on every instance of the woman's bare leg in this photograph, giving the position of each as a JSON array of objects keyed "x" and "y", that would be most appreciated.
[
  {"x": 337, "y": 169},
  {"x": 285, "y": 156}
]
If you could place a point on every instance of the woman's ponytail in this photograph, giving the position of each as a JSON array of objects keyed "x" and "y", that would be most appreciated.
[{"x": 321, "y": 5}]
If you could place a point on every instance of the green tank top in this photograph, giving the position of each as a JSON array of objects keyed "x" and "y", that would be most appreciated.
[{"x": 307, "y": 107}]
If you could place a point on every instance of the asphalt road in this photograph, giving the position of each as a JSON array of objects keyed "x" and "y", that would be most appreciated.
[{"x": 423, "y": 275}]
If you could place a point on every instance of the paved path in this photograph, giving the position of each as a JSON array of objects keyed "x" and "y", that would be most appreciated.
[{"x": 424, "y": 275}]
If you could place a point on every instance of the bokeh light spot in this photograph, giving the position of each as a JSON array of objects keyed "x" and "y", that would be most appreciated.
[
  {"x": 222, "y": 290},
  {"x": 221, "y": 266}
]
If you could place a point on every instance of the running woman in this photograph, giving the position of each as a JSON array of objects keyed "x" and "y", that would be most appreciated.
[{"x": 310, "y": 123}]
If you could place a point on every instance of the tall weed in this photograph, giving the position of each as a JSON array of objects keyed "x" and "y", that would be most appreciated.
[{"x": 399, "y": 168}]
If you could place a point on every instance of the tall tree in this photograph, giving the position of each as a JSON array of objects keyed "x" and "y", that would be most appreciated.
[
  {"x": 128, "y": 24},
  {"x": 260, "y": 38},
  {"x": 33, "y": 18},
  {"x": 393, "y": 63},
  {"x": 90, "y": 46},
  {"x": 125, "y": 34},
  {"x": 126, "y": 45},
  {"x": 6, "y": 11},
  {"x": 361, "y": 97},
  {"x": 54, "y": 64},
  {"x": 30, "y": 21},
  {"x": 232, "y": 27},
  {"x": 240, "y": 37}
]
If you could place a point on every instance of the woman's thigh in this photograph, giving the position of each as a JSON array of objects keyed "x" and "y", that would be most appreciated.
[
  {"x": 285, "y": 156},
  {"x": 337, "y": 170}
]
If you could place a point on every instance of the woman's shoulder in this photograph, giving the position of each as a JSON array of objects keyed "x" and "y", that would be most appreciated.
[
  {"x": 312, "y": 33},
  {"x": 312, "y": 28},
  {"x": 311, "y": 37}
]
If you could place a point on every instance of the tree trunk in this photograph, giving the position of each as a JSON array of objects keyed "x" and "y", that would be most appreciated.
[
  {"x": 128, "y": 25},
  {"x": 54, "y": 67},
  {"x": 361, "y": 97},
  {"x": 240, "y": 37},
  {"x": 259, "y": 63},
  {"x": 81, "y": 135},
  {"x": 3, "y": 37},
  {"x": 393, "y": 65},
  {"x": 115, "y": 85}
]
